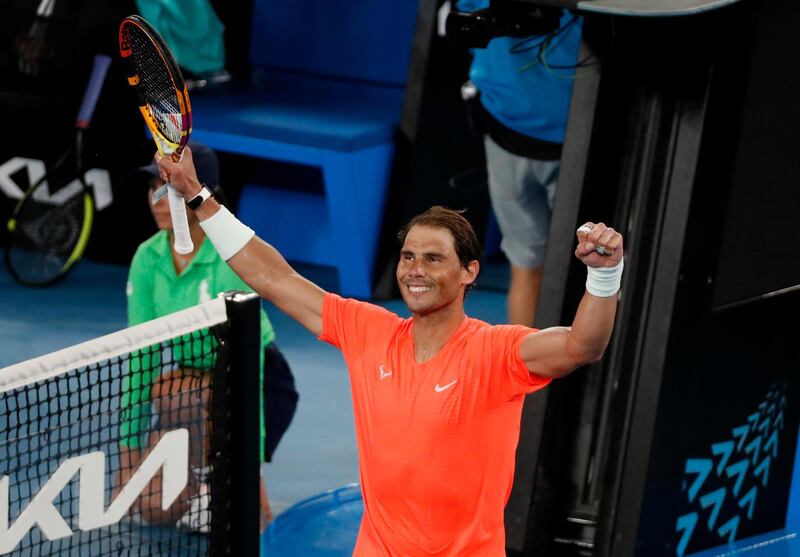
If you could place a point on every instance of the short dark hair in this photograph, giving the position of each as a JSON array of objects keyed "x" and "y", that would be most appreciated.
[{"x": 468, "y": 248}]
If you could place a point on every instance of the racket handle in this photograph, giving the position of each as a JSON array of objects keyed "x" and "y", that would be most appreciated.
[
  {"x": 180, "y": 224},
  {"x": 99, "y": 70}
]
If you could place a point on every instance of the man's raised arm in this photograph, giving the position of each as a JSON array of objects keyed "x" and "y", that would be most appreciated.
[
  {"x": 556, "y": 351},
  {"x": 259, "y": 264}
]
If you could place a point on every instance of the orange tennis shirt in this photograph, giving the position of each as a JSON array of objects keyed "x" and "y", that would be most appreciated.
[{"x": 437, "y": 440}]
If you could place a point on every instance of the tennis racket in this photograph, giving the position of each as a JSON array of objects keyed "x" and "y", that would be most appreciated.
[
  {"x": 34, "y": 51},
  {"x": 163, "y": 102},
  {"x": 50, "y": 226}
]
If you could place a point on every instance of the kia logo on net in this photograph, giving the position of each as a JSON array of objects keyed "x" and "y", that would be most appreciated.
[{"x": 171, "y": 454}]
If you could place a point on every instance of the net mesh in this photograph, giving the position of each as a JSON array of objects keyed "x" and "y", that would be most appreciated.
[
  {"x": 156, "y": 84},
  {"x": 119, "y": 457}
]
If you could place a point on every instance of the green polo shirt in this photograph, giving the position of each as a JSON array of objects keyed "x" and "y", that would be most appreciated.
[{"x": 155, "y": 289}]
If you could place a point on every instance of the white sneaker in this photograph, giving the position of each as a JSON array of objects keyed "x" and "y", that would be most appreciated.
[
  {"x": 202, "y": 473},
  {"x": 198, "y": 517}
]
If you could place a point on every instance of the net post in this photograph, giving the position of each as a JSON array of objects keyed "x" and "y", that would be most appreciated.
[{"x": 244, "y": 392}]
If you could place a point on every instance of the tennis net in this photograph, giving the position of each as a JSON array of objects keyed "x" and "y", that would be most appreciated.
[{"x": 142, "y": 442}]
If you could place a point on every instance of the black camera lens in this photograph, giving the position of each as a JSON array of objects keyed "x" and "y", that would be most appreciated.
[
  {"x": 474, "y": 29},
  {"x": 506, "y": 18}
]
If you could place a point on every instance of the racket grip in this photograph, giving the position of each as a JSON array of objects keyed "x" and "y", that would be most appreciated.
[
  {"x": 180, "y": 224},
  {"x": 90, "y": 96}
]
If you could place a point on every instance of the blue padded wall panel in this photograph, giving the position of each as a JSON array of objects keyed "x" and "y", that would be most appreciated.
[
  {"x": 296, "y": 223},
  {"x": 304, "y": 110},
  {"x": 366, "y": 40}
]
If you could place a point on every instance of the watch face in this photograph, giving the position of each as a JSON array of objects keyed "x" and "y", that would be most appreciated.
[{"x": 198, "y": 199}]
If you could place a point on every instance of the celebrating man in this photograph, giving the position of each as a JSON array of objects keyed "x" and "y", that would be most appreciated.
[{"x": 437, "y": 397}]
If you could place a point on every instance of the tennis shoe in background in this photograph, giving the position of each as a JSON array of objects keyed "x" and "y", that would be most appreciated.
[
  {"x": 207, "y": 80},
  {"x": 198, "y": 517},
  {"x": 202, "y": 473}
]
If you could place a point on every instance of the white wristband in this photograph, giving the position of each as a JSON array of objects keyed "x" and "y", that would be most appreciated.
[
  {"x": 227, "y": 233},
  {"x": 604, "y": 281}
]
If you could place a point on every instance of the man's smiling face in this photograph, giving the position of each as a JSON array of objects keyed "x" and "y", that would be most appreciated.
[{"x": 429, "y": 273}]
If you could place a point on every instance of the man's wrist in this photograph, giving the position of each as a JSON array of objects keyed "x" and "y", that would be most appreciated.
[
  {"x": 604, "y": 282},
  {"x": 207, "y": 209},
  {"x": 226, "y": 232},
  {"x": 202, "y": 196},
  {"x": 193, "y": 188}
]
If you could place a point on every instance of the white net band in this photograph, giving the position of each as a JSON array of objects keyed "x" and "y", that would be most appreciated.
[{"x": 115, "y": 344}]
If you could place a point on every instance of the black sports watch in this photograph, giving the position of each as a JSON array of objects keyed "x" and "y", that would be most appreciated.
[{"x": 195, "y": 202}]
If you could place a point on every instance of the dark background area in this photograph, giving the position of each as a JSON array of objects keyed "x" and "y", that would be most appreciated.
[
  {"x": 434, "y": 143},
  {"x": 39, "y": 113}
]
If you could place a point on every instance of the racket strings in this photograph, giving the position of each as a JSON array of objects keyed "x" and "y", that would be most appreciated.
[
  {"x": 45, "y": 237},
  {"x": 156, "y": 85},
  {"x": 53, "y": 228}
]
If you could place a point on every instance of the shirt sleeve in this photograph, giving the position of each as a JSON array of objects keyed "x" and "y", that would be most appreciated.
[
  {"x": 139, "y": 291},
  {"x": 507, "y": 364},
  {"x": 350, "y": 324}
]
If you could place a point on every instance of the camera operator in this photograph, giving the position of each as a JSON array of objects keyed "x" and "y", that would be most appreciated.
[{"x": 519, "y": 92}]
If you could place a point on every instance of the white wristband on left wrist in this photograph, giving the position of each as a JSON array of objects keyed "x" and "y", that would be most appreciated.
[{"x": 604, "y": 281}]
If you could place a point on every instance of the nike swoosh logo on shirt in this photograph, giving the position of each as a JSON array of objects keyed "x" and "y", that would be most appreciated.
[
  {"x": 439, "y": 389},
  {"x": 384, "y": 373}
]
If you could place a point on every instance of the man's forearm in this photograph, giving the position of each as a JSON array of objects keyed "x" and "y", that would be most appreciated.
[
  {"x": 592, "y": 327},
  {"x": 258, "y": 264},
  {"x": 556, "y": 351},
  {"x": 262, "y": 267},
  {"x": 207, "y": 209}
]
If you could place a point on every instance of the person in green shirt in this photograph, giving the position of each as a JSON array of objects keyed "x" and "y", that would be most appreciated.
[{"x": 162, "y": 281}]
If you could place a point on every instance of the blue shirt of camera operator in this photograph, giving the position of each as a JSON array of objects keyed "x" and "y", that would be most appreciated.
[{"x": 526, "y": 83}]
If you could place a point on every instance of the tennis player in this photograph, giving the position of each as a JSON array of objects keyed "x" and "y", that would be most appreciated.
[{"x": 437, "y": 397}]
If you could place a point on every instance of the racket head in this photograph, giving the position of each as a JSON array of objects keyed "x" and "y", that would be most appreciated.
[
  {"x": 160, "y": 88},
  {"x": 50, "y": 226}
]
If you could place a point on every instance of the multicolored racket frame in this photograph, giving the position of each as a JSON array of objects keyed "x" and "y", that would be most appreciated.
[
  {"x": 153, "y": 94},
  {"x": 163, "y": 102}
]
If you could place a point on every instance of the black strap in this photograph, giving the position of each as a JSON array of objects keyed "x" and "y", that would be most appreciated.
[{"x": 520, "y": 144}]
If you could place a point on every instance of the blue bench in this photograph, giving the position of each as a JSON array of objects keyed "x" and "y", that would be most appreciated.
[{"x": 326, "y": 91}]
